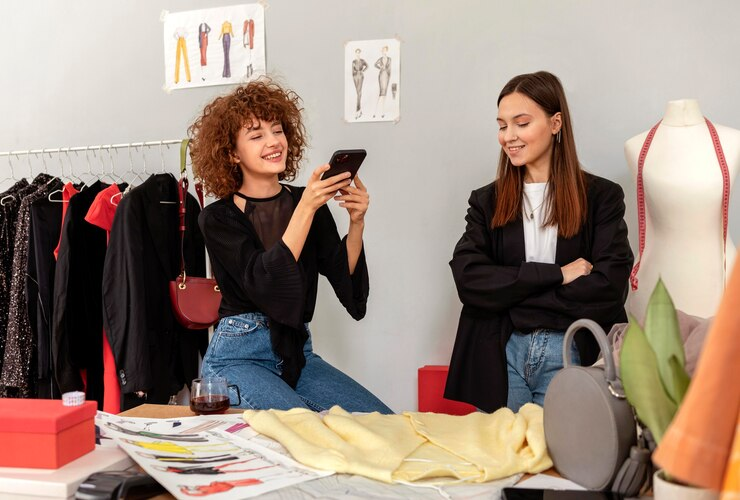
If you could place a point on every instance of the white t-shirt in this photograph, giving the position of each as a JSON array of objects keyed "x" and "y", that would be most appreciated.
[{"x": 540, "y": 241}]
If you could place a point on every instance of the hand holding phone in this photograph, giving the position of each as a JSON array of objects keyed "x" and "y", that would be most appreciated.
[{"x": 345, "y": 160}]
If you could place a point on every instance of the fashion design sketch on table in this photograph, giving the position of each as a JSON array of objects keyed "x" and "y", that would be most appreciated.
[
  {"x": 369, "y": 99},
  {"x": 183, "y": 454},
  {"x": 239, "y": 56},
  {"x": 203, "y": 30}
]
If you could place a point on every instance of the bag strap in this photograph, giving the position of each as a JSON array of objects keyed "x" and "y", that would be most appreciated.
[
  {"x": 182, "y": 189},
  {"x": 182, "y": 195},
  {"x": 610, "y": 370}
]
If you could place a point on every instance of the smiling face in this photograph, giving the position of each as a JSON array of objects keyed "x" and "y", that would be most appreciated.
[
  {"x": 526, "y": 132},
  {"x": 261, "y": 149}
]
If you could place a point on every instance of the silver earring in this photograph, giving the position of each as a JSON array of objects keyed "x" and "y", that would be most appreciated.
[{"x": 558, "y": 136}]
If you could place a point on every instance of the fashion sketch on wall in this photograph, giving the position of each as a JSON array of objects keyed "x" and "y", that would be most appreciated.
[
  {"x": 372, "y": 70},
  {"x": 235, "y": 54}
]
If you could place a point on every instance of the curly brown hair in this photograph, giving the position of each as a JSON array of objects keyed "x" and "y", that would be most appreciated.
[{"x": 213, "y": 134}]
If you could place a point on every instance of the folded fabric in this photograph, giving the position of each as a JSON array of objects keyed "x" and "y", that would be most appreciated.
[
  {"x": 403, "y": 448},
  {"x": 693, "y": 331}
]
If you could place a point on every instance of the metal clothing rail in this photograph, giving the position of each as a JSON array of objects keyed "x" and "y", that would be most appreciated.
[{"x": 89, "y": 148}]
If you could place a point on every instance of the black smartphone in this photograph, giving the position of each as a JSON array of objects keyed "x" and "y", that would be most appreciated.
[
  {"x": 538, "y": 494},
  {"x": 114, "y": 485},
  {"x": 345, "y": 160}
]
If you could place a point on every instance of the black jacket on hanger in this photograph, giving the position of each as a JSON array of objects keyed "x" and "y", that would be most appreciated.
[
  {"x": 153, "y": 353},
  {"x": 77, "y": 328},
  {"x": 46, "y": 226}
]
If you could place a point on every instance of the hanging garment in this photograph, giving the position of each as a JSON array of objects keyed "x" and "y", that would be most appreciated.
[
  {"x": 46, "y": 227},
  {"x": 8, "y": 218},
  {"x": 77, "y": 321},
  {"x": 101, "y": 214},
  {"x": 68, "y": 192},
  {"x": 18, "y": 364},
  {"x": 153, "y": 353}
]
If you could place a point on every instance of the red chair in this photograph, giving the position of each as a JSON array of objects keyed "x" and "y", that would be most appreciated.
[{"x": 432, "y": 379}]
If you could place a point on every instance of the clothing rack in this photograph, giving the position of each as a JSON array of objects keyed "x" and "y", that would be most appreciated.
[
  {"x": 90, "y": 148},
  {"x": 66, "y": 151}
]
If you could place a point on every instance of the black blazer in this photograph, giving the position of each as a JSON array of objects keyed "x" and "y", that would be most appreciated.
[
  {"x": 153, "y": 352},
  {"x": 501, "y": 292},
  {"x": 77, "y": 327}
]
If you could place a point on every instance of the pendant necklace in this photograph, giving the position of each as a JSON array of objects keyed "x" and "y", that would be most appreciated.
[{"x": 529, "y": 211}]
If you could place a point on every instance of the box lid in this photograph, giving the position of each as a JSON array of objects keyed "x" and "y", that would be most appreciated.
[{"x": 42, "y": 415}]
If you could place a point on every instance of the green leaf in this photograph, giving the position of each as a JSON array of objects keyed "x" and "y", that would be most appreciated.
[
  {"x": 664, "y": 336},
  {"x": 680, "y": 379},
  {"x": 642, "y": 384}
]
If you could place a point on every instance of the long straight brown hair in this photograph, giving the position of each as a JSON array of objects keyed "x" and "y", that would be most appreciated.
[{"x": 566, "y": 198}]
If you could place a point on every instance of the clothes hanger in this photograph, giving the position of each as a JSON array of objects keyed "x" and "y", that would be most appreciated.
[
  {"x": 76, "y": 179},
  {"x": 107, "y": 176},
  {"x": 46, "y": 169},
  {"x": 136, "y": 176},
  {"x": 11, "y": 178},
  {"x": 132, "y": 170},
  {"x": 92, "y": 177},
  {"x": 63, "y": 175}
]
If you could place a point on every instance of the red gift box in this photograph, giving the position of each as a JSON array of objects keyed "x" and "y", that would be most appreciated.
[
  {"x": 432, "y": 380},
  {"x": 43, "y": 433}
]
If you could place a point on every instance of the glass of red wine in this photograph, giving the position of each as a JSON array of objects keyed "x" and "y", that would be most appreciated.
[{"x": 209, "y": 395}]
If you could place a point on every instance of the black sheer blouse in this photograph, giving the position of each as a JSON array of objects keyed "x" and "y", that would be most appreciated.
[{"x": 256, "y": 276}]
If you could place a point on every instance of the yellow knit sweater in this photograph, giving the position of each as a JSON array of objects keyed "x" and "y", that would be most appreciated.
[{"x": 477, "y": 447}]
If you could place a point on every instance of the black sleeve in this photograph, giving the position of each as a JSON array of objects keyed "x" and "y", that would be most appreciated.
[
  {"x": 481, "y": 282},
  {"x": 600, "y": 295},
  {"x": 272, "y": 279},
  {"x": 351, "y": 290}
]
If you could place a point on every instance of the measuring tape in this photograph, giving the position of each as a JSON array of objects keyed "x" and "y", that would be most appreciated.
[{"x": 641, "y": 197}]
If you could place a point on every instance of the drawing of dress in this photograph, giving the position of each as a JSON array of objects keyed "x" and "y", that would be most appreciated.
[
  {"x": 384, "y": 75},
  {"x": 248, "y": 43},
  {"x": 203, "y": 31},
  {"x": 359, "y": 66},
  {"x": 182, "y": 52},
  {"x": 226, "y": 34},
  {"x": 215, "y": 469},
  {"x": 170, "y": 447},
  {"x": 217, "y": 487}
]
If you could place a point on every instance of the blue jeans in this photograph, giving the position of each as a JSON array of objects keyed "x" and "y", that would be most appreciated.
[
  {"x": 532, "y": 361},
  {"x": 241, "y": 351}
]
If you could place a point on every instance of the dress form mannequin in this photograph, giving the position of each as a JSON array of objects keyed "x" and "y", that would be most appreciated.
[{"x": 683, "y": 184}]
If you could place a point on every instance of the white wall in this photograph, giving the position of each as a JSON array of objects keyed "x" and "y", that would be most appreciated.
[{"x": 90, "y": 72}]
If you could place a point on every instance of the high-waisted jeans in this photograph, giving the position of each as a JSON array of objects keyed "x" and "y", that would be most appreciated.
[
  {"x": 241, "y": 351},
  {"x": 532, "y": 361}
]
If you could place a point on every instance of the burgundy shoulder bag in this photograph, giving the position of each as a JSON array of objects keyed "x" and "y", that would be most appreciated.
[{"x": 195, "y": 301}]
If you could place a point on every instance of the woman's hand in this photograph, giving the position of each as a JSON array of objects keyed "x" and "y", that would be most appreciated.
[
  {"x": 576, "y": 269},
  {"x": 356, "y": 200},
  {"x": 318, "y": 191}
]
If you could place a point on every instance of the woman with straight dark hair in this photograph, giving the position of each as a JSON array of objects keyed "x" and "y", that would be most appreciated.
[{"x": 544, "y": 245}]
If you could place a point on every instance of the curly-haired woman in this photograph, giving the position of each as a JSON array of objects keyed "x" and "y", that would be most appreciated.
[{"x": 268, "y": 242}]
